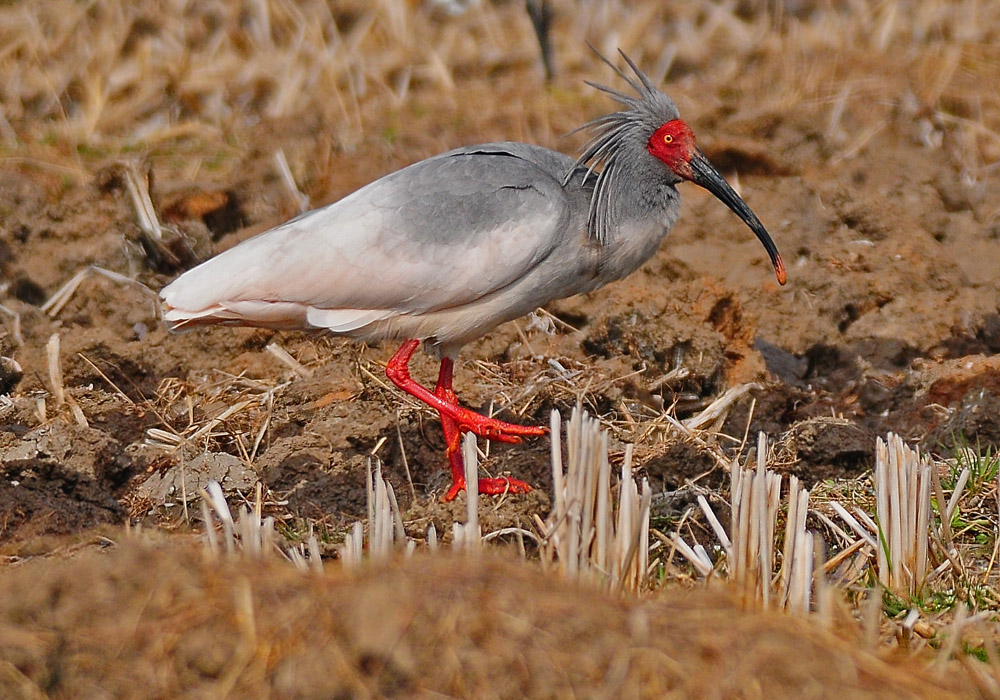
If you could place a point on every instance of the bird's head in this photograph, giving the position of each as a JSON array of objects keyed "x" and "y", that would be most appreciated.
[
  {"x": 673, "y": 145},
  {"x": 652, "y": 118}
]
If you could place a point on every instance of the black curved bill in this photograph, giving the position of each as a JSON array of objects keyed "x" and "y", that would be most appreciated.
[{"x": 705, "y": 174}]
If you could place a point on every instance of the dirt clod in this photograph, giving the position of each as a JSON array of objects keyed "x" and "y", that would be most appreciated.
[
  {"x": 822, "y": 447},
  {"x": 10, "y": 374},
  {"x": 85, "y": 452},
  {"x": 189, "y": 477}
]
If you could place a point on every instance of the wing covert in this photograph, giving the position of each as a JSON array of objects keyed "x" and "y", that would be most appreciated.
[{"x": 438, "y": 234}]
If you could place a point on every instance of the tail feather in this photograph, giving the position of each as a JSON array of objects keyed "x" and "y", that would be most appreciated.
[
  {"x": 260, "y": 314},
  {"x": 280, "y": 315}
]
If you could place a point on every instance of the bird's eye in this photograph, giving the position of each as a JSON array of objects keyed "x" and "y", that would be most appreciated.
[{"x": 668, "y": 138}]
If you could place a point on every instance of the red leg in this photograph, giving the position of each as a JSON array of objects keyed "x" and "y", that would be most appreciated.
[
  {"x": 398, "y": 372},
  {"x": 455, "y": 419},
  {"x": 452, "y": 434},
  {"x": 453, "y": 446}
]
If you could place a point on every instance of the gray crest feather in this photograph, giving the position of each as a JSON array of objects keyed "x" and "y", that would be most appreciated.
[{"x": 617, "y": 138}]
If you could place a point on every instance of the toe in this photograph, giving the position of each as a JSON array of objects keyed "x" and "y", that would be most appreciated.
[{"x": 503, "y": 485}]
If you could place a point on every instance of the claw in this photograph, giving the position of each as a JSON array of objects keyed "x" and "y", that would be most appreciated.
[
  {"x": 492, "y": 487},
  {"x": 496, "y": 430}
]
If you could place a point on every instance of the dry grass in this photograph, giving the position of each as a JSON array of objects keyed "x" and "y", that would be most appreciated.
[
  {"x": 97, "y": 77},
  {"x": 593, "y": 537},
  {"x": 194, "y": 626},
  {"x": 751, "y": 545},
  {"x": 895, "y": 544},
  {"x": 892, "y": 546}
]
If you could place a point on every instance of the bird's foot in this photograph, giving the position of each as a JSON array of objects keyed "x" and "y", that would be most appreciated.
[
  {"x": 492, "y": 487},
  {"x": 444, "y": 401},
  {"x": 491, "y": 428}
]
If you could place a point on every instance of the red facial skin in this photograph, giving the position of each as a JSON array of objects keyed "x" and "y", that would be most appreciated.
[{"x": 673, "y": 144}]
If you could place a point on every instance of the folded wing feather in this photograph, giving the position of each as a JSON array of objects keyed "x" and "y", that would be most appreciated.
[{"x": 439, "y": 234}]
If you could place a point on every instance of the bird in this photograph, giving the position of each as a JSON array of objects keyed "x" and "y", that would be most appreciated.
[
  {"x": 442, "y": 251},
  {"x": 541, "y": 16}
]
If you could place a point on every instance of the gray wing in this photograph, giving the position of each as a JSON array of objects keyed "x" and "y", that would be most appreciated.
[{"x": 436, "y": 235}]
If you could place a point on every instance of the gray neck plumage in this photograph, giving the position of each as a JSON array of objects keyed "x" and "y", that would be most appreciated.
[{"x": 630, "y": 186}]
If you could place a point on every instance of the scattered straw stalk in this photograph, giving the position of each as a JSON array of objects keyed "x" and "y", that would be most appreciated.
[
  {"x": 589, "y": 538},
  {"x": 470, "y": 535},
  {"x": 385, "y": 522},
  {"x": 903, "y": 508},
  {"x": 750, "y": 549}
]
